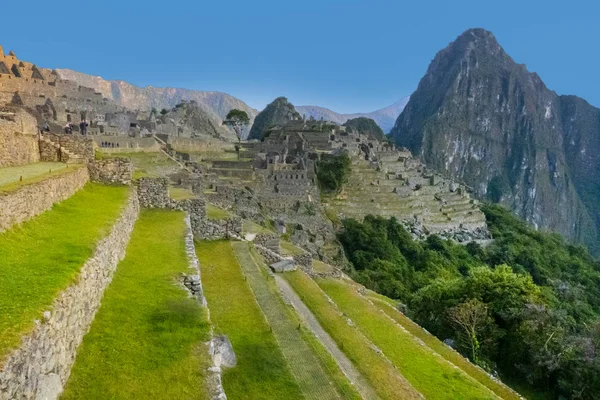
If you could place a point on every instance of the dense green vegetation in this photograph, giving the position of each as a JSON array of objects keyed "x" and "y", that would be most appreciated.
[
  {"x": 526, "y": 305},
  {"x": 333, "y": 171},
  {"x": 44, "y": 255},
  {"x": 147, "y": 338},
  {"x": 366, "y": 126},
  {"x": 261, "y": 371}
]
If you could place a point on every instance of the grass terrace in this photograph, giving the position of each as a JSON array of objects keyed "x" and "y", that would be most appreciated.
[
  {"x": 44, "y": 255},
  {"x": 145, "y": 164},
  {"x": 389, "y": 307},
  {"x": 146, "y": 341},
  {"x": 262, "y": 371},
  {"x": 254, "y": 228},
  {"x": 178, "y": 193},
  {"x": 289, "y": 249},
  {"x": 10, "y": 177},
  {"x": 314, "y": 374},
  {"x": 215, "y": 213},
  {"x": 376, "y": 368},
  {"x": 433, "y": 376}
]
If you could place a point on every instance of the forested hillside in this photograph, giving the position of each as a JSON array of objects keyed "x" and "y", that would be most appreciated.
[{"x": 526, "y": 306}]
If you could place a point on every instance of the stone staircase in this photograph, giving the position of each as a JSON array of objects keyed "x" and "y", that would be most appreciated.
[{"x": 52, "y": 151}]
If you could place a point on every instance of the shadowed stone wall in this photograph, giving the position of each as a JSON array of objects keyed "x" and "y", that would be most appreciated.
[{"x": 40, "y": 368}]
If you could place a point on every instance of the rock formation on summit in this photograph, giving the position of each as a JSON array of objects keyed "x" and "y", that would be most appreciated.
[
  {"x": 278, "y": 112},
  {"x": 491, "y": 123}
]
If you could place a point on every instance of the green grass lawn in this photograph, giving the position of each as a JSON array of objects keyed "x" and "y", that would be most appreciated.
[
  {"x": 44, "y": 255},
  {"x": 377, "y": 370},
  {"x": 10, "y": 178},
  {"x": 388, "y": 306},
  {"x": 321, "y": 267},
  {"x": 215, "y": 213},
  {"x": 262, "y": 371},
  {"x": 313, "y": 377},
  {"x": 289, "y": 249},
  {"x": 430, "y": 374},
  {"x": 252, "y": 227},
  {"x": 146, "y": 341},
  {"x": 178, "y": 193},
  {"x": 146, "y": 164}
]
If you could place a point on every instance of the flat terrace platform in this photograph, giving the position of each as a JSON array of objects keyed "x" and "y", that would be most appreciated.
[{"x": 29, "y": 172}]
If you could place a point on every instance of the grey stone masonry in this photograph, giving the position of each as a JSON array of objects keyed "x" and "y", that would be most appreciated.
[
  {"x": 154, "y": 193},
  {"x": 304, "y": 260},
  {"x": 269, "y": 241},
  {"x": 111, "y": 171},
  {"x": 41, "y": 366}
]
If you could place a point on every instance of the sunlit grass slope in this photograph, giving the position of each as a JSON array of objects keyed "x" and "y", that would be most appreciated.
[
  {"x": 44, "y": 255},
  {"x": 262, "y": 371},
  {"x": 146, "y": 341}
]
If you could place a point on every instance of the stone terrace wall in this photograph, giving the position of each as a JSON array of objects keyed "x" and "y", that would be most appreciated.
[
  {"x": 30, "y": 200},
  {"x": 219, "y": 229},
  {"x": 110, "y": 171},
  {"x": 41, "y": 366},
  {"x": 154, "y": 192},
  {"x": 18, "y": 138}
]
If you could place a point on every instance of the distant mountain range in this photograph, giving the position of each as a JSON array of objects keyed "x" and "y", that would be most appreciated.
[
  {"x": 216, "y": 104},
  {"x": 385, "y": 117}
]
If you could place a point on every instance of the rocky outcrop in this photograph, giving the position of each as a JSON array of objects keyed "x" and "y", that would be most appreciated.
[
  {"x": 365, "y": 126},
  {"x": 276, "y": 113},
  {"x": 30, "y": 200},
  {"x": 485, "y": 120},
  {"x": 41, "y": 366}
]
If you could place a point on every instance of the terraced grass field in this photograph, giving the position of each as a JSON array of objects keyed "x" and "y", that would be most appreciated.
[
  {"x": 262, "y": 371},
  {"x": 10, "y": 177},
  {"x": 146, "y": 341},
  {"x": 316, "y": 377},
  {"x": 383, "y": 377},
  {"x": 44, "y": 255},
  {"x": 427, "y": 371},
  {"x": 388, "y": 306}
]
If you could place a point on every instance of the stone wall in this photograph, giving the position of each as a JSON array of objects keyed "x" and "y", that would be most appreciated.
[
  {"x": 269, "y": 241},
  {"x": 30, "y": 200},
  {"x": 41, "y": 366},
  {"x": 18, "y": 138},
  {"x": 219, "y": 229},
  {"x": 79, "y": 145},
  {"x": 304, "y": 260},
  {"x": 154, "y": 192},
  {"x": 112, "y": 170}
]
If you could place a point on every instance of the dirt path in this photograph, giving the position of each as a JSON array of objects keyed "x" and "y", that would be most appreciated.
[{"x": 363, "y": 387}]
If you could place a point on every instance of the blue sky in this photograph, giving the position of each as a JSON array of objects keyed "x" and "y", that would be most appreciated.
[{"x": 349, "y": 56}]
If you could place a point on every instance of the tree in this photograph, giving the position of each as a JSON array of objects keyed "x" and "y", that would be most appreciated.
[
  {"x": 470, "y": 318},
  {"x": 237, "y": 120}
]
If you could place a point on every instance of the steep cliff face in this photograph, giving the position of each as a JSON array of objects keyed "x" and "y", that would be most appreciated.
[
  {"x": 277, "y": 112},
  {"x": 486, "y": 120}
]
